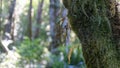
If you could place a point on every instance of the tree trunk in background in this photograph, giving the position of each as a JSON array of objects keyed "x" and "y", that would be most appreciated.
[
  {"x": 1, "y": 47},
  {"x": 29, "y": 27},
  {"x": 7, "y": 29},
  {"x": 0, "y": 16},
  {"x": 54, "y": 25},
  {"x": 18, "y": 28},
  {"x": 38, "y": 18},
  {"x": 12, "y": 29},
  {"x": 91, "y": 20}
]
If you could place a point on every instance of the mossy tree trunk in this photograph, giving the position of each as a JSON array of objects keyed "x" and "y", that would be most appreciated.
[{"x": 92, "y": 21}]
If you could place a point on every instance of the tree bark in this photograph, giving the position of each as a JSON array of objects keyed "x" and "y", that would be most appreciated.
[
  {"x": 7, "y": 29},
  {"x": 0, "y": 16},
  {"x": 92, "y": 21},
  {"x": 29, "y": 27},
  {"x": 116, "y": 29},
  {"x": 54, "y": 26},
  {"x": 65, "y": 26},
  {"x": 38, "y": 19}
]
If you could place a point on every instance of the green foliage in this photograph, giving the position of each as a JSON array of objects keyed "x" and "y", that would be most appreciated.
[
  {"x": 31, "y": 50},
  {"x": 76, "y": 55},
  {"x": 56, "y": 62}
]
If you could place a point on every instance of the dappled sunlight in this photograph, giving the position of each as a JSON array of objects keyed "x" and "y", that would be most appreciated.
[
  {"x": 37, "y": 37},
  {"x": 9, "y": 60}
]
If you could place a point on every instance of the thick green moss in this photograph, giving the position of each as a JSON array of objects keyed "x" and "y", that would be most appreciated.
[{"x": 91, "y": 21}]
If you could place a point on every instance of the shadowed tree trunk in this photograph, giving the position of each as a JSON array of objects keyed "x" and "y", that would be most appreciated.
[
  {"x": 12, "y": 29},
  {"x": 29, "y": 27},
  {"x": 116, "y": 29},
  {"x": 95, "y": 23},
  {"x": 0, "y": 16},
  {"x": 38, "y": 18},
  {"x": 7, "y": 29}
]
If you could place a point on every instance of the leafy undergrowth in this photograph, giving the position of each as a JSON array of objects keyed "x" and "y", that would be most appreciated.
[
  {"x": 48, "y": 60},
  {"x": 32, "y": 54}
]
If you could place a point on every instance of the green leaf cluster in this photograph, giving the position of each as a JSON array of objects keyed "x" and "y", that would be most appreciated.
[{"x": 31, "y": 50}]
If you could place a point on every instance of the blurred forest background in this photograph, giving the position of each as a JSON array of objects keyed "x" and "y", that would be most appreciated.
[{"x": 36, "y": 34}]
